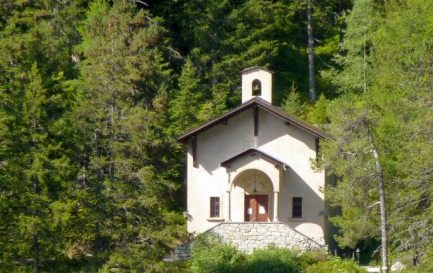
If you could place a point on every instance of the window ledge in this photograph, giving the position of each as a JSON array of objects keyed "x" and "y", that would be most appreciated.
[
  {"x": 215, "y": 219},
  {"x": 302, "y": 219}
]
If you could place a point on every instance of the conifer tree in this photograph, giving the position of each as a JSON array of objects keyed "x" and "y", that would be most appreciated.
[
  {"x": 128, "y": 162},
  {"x": 36, "y": 130},
  {"x": 185, "y": 105},
  {"x": 354, "y": 65},
  {"x": 393, "y": 113},
  {"x": 293, "y": 105}
]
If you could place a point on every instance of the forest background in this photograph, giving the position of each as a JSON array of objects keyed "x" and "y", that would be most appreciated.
[{"x": 94, "y": 93}]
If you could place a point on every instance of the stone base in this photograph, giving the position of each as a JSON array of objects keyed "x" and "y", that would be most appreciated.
[{"x": 250, "y": 236}]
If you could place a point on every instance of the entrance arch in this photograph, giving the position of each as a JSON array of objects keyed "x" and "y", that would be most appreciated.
[{"x": 252, "y": 196}]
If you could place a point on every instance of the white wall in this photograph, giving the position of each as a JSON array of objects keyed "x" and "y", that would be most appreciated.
[{"x": 289, "y": 144}]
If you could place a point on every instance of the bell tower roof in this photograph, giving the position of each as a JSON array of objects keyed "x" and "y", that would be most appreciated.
[{"x": 256, "y": 82}]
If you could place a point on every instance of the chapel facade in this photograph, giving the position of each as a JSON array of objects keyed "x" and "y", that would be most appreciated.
[{"x": 250, "y": 176}]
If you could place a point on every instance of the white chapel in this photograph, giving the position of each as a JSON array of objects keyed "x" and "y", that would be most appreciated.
[{"x": 250, "y": 177}]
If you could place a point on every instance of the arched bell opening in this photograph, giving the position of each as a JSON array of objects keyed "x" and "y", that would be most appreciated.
[{"x": 256, "y": 88}]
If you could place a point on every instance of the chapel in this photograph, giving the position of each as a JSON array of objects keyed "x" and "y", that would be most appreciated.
[{"x": 250, "y": 176}]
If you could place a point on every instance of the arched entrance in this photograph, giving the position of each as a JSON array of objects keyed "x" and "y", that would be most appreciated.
[{"x": 252, "y": 196}]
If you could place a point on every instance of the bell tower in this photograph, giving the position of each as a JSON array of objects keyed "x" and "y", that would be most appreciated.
[{"x": 256, "y": 82}]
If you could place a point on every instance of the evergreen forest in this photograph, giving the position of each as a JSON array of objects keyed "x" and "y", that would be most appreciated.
[{"x": 93, "y": 94}]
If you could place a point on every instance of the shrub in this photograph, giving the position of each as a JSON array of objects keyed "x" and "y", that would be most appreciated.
[
  {"x": 275, "y": 260},
  {"x": 209, "y": 255},
  {"x": 335, "y": 265}
]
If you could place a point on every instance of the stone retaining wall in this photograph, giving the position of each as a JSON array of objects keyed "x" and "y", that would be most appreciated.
[{"x": 249, "y": 236}]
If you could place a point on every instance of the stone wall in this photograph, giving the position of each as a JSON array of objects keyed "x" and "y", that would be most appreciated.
[
  {"x": 182, "y": 252},
  {"x": 249, "y": 236}
]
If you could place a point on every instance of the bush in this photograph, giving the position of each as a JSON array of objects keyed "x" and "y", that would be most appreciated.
[
  {"x": 335, "y": 265},
  {"x": 275, "y": 260},
  {"x": 209, "y": 255}
]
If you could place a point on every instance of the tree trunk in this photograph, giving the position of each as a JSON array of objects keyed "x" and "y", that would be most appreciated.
[
  {"x": 383, "y": 217},
  {"x": 35, "y": 236},
  {"x": 35, "y": 252},
  {"x": 311, "y": 79}
]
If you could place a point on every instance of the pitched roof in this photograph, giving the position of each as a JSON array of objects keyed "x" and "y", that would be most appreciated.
[
  {"x": 261, "y": 104},
  {"x": 252, "y": 152}
]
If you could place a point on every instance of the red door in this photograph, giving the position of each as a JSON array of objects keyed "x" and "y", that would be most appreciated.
[{"x": 256, "y": 208}]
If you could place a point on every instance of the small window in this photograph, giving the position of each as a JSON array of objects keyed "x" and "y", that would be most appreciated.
[
  {"x": 214, "y": 207},
  {"x": 297, "y": 207},
  {"x": 257, "y": 88}
]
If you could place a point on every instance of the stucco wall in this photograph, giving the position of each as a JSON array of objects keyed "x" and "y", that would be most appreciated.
[{"x": 288, "y": 144}]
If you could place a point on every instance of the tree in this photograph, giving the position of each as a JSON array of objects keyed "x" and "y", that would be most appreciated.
[
  {"x": 222, "y": 37},
  {"x": 352, "y": 154},
  {"x": 311, "y": 72},
  {"x": 127, "y": 151},
  {"x": 354, "y": 64},
  {"x": 293, "y": 105},
  {"x": 185, "y": 105},
  {"x": 362, "y": 130},
  {"x": 36, "y": 130},
  {"x": 402, "y": 77}
]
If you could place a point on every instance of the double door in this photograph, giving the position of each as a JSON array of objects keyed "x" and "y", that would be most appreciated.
[{"x": 256, "y": 208}]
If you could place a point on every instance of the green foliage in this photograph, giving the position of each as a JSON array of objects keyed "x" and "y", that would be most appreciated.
[
  {"x": 185, "y": 105},
  {"x": 393, "y": 103},
  {"x": 126, "y": 146},
  {"x": 274, "y": 259},
  {"x": 292, "y": 103},
  {"x": 209, "y": 254},
  {"x": 318, "y": 112},
  {"x": 93, "y": 93},
  {"x": 226, "y": 36},
  {"x": 37, "y": 167},
  {"x": 335, "y": 265},
  {"x": 353, "y": 72}
]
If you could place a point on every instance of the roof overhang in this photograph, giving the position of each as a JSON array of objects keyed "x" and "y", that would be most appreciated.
[
  {"x": 261, "y": 104},
  {"x": 253, "y": 152}
]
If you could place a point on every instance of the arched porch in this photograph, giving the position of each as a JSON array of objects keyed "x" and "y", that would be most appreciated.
[
  {"x": 252, "y": 197},
  {"x": 253, "y": 188}
]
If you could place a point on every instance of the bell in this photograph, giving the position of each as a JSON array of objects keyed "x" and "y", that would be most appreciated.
[{"x": 256, "y": 88}]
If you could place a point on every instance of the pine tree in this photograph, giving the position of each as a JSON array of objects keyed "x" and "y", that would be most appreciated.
[
  {"x": 318, "y": 112},
  {"x": 36, "y": 131},
  {"x": 353, "y": 74},
  {"x": 393, "y": 113},
  {"x": 293, "y": 105},
  {"x": 124, "y": 103},
  {"x": 185, "y": 105},
  {"x": 403, "y": 90}
]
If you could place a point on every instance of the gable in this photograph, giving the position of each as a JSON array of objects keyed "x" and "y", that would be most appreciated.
[
  {"x": 255, "y": 104},
  {"x": 253, "y": 153}
]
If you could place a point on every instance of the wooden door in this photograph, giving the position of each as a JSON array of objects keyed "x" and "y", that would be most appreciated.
[{"x": 256, "y": 208}]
